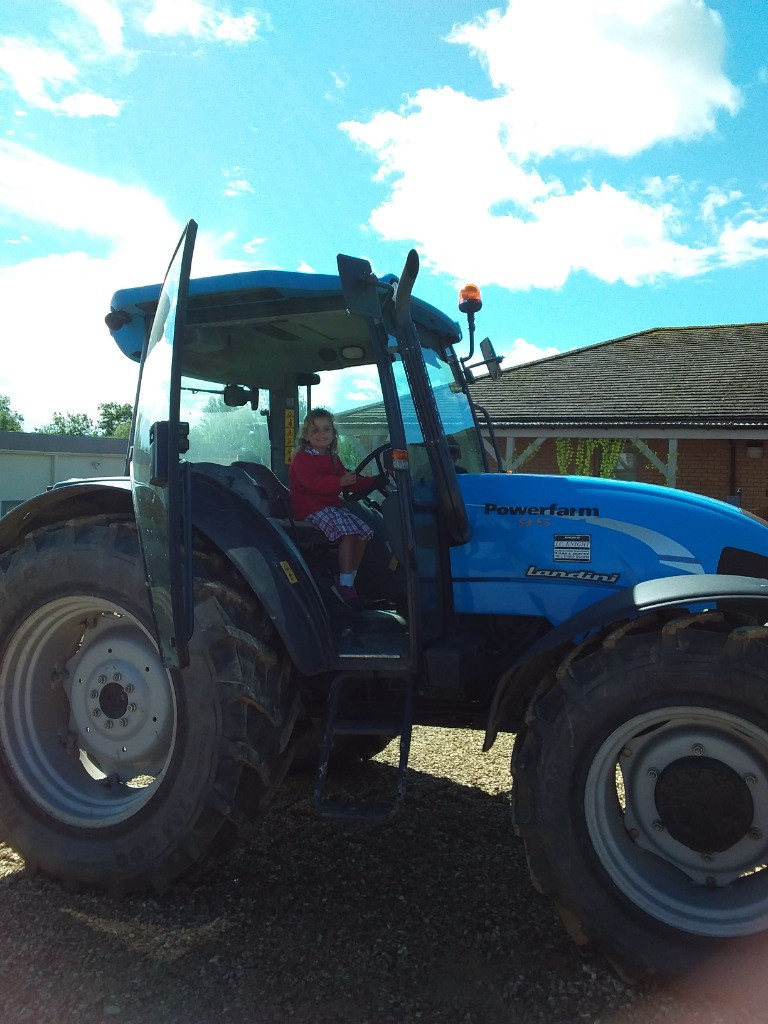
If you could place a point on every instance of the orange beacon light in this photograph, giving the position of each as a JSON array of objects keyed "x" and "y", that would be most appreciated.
[{"x": 469, "y": 299}]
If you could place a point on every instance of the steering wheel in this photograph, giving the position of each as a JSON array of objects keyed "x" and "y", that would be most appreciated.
[{"x": 377, "y": 456}]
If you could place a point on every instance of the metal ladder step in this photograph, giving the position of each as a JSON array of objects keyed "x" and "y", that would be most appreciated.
[
  {"x": 368, "y": 811},
  {"x": 372, "y": 812},
  {"x": 371, "y": 727}
]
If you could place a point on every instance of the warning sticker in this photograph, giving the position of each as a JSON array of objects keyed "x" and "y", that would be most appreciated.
[
  {"x": 572, "y": 547},
  {"x": 289, "y": 573}
]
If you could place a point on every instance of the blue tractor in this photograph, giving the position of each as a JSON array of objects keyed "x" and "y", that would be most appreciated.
[{"x": 170, "y": 644}]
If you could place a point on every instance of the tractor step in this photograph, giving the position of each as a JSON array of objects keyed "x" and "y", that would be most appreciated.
[
  {"x": 370, "y": 727},
  {"x": 368, "y": 811},
  {"x": 363, "y": 811}
]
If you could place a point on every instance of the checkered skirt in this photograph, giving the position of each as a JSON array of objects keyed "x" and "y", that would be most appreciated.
[{"x": 337, "y": 522}]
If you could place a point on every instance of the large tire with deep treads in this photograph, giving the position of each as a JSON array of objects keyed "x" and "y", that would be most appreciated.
[
  {"x": 640, "y": 789},
  {"x": 116, "y": 772}
]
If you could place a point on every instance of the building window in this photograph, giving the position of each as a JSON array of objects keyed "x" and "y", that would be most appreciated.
[{"x": 627, "y": 467}]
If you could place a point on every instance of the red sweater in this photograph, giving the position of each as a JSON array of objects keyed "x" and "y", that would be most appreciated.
[{"x": 314, "y": 482}]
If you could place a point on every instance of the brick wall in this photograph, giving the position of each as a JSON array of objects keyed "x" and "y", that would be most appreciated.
[{"x": 717, "y": 468}]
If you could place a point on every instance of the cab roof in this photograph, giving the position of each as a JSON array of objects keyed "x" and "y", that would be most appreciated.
[{"x": 276, "y": 320}]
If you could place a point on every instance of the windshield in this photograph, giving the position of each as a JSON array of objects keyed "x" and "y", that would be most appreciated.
[
  {"x": 223, "y": 433},
  {"x": 353, "y": 395},
  {"x": 455, "y": 416},
  {"x": 264, "y": 423}
]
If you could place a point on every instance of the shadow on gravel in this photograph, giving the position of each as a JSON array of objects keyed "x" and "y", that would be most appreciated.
[{"x": 429, "y": 919}]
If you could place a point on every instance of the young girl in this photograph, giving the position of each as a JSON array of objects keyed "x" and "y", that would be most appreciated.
[{"x": 316, "y": 477}]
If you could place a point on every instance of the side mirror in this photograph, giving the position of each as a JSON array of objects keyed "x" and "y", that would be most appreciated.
[
  {"x": 236, "y": 395},
  {"x": 359, "y": 285},
  {"x": 491, "y": 360}
]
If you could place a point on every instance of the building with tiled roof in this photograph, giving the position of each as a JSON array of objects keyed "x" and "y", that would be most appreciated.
[{"x": 690, "y": 405}]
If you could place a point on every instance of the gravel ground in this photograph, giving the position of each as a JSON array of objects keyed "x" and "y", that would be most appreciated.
[{"x": 429, "y": 919}]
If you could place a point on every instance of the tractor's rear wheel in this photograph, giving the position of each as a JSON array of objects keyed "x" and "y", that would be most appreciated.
[
  {"x": 641, "y": 792},
  {"x": 116, "y": 772}
]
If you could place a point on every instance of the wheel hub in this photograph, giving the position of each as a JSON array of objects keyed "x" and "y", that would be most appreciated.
[
  {"x": 120, "y": 701},
  {"x": 113, "y": 700},
  {"x": 704, "y": 804}
]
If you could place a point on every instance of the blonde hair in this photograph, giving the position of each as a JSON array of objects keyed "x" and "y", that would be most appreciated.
[{"x": 303, "y": 442}]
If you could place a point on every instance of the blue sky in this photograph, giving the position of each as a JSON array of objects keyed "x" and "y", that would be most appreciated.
[{"x": 598, "y": 167}]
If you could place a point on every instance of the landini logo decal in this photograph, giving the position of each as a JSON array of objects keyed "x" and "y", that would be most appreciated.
[{"x": 583, "y": 575}]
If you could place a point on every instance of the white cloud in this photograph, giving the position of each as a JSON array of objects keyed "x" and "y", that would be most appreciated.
[
  {"x": 521, "y": 351},
  {"x": 201, "y": 21},
  {"x": 40, "y": 75},
  {"x": 59, "y": 356},
  {"x": 253, "y": 246},
  {"x": 715, "y": 200},
  {"x": 604, "y": 74},
  {"x": 340, "y": 83},
  {"x": 89, "y": 104},
  {"x": 739, "y": 243},
  {"x": 104, "y": 18},
  {"x": 237, "y": 184},
  {"x": 137, "y": 228},
  {"x": 54, "y": 194},
  {"x": 601, "y": 78},
  {"x": 49, "y": 76}
]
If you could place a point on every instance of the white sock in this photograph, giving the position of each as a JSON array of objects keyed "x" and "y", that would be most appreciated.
[{"x": 347, "y": 579}]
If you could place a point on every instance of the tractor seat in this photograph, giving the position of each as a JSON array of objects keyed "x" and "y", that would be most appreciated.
[{"x": 277, "y": 497}]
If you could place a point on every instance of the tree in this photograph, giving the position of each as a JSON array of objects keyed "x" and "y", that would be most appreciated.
[
  {"x": 114, "y": 419},
  {"x": 9, "y": 420},
  {"x": 76, "y": 424},
  {"x": 224, "y": 432}
]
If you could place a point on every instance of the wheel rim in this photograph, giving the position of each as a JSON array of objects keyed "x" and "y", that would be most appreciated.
[
  {"x": 676, "y": 807},
  {"x": 88, "y": 711}
]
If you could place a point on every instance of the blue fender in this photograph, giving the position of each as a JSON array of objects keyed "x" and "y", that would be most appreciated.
[
  {"x": 651, "y": 595},
  {"x": 270, "y": 564},
  {"x": 69, "y": 500}
]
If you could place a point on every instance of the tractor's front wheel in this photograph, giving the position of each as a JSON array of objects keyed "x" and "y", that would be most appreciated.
[
  {"x": 116, "y": 772},
  {"x": 641, "y": 792}
]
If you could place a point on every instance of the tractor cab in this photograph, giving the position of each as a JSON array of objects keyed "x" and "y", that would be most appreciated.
[{"x": 230, "y": 367}]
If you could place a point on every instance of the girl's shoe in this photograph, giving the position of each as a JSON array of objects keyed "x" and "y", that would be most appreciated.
[{"x": 347, "y": 595}]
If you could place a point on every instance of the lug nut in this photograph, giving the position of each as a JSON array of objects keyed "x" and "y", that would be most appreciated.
[
  {"x": 96, "y": 713},
  {"x": 132, "y": 707},
  {"x": 658, "y": 826},
  {"x": 93, "y": 694},
  {"x": 751, "y": 780},
  {"x": 697, "y": 749},
  {"x": 653, "y": 773},
  {"x": 116, "y": 677}
]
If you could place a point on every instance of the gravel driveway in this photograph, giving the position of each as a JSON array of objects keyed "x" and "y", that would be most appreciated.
[{"x": 429, "y": 919}]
